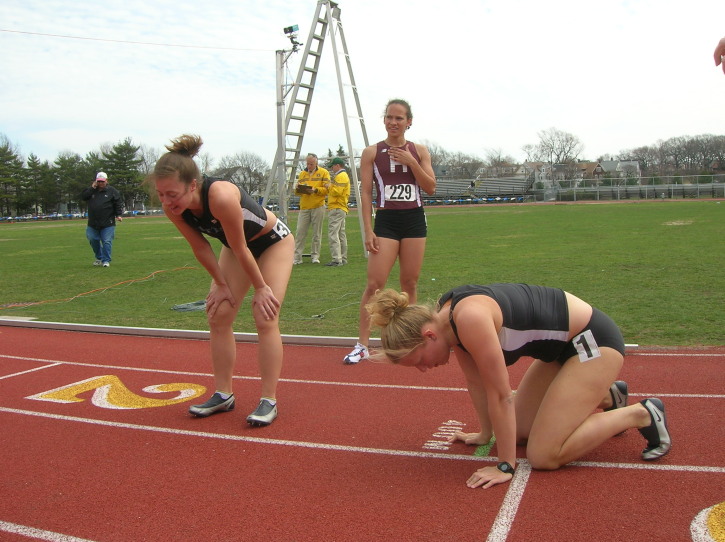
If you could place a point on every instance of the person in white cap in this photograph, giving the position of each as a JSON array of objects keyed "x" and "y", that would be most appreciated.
[{"x": 105, "y": 206}]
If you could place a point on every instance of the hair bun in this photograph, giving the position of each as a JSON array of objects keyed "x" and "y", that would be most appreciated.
[{"x": 186, "y": 145}]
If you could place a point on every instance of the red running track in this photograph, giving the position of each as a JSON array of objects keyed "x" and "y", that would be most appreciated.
[{"x": 357, "y": 453}]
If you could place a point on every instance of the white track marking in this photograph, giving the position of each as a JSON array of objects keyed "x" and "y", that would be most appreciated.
[
  {"x": 510, "y": 505},
  {"x": 38, "y": 534},
  {"x": 699, "y": 529},
  {"x": 51, "y": 364},
  {"x": 241, "y": 438},
  {"x": 54, "y": 362},
  {"x": 339, "y": 447}
]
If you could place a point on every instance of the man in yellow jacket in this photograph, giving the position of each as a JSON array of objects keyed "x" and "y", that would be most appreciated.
[
  {"x": 311, "y": 188},
  {"x": 338, "y": 194}
]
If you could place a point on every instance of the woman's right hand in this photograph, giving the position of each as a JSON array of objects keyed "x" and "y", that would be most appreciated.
[
  {"x": 217, "y": 295},
  {"x": 472, "y": 439},
  {"x": 371, "y": 243}
]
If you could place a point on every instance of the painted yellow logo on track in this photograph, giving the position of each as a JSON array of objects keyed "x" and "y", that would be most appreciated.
[{"x": 110, "y": 392}]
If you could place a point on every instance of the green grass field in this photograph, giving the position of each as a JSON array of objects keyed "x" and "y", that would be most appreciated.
[{"x": 655, "y": 267}]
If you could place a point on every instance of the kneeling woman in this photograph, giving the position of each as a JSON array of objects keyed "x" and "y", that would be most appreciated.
[
  {"x": 257, "y": 252},
  {"x": 578, "y": 352}
]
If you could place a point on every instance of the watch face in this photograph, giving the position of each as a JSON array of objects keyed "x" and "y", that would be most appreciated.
[{"x": 505, "y": 467}]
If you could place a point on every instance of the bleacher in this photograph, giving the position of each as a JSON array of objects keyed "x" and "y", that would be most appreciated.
[{"x": 494, "y": 190}]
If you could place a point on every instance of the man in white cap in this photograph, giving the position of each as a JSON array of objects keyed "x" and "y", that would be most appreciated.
[{"x": 105, "y": 206}]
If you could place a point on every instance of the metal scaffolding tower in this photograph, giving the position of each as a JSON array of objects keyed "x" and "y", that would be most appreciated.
[{"x": 291, "y": 124}]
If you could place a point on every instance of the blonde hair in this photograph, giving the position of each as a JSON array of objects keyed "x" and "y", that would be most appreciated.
[{"x": 400, "y": 322}]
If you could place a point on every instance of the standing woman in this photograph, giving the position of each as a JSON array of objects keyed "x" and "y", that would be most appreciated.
[
  {"x": 578, "y": 352},
  {"x": 399, "y": 170},
  {"x": 257, "y": 253}
]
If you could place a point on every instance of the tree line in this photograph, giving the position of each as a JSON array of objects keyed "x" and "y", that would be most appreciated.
[{"x": 32, "y": 186}]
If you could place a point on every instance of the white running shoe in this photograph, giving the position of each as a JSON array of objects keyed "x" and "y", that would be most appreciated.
[
  {"x": 213, "y": 405},
  {"x": 656, "y": 433},
  {"x": 619, "y": 394},
  {"x": 264, "y": 414},
  {"x": 359, "y": 353}
]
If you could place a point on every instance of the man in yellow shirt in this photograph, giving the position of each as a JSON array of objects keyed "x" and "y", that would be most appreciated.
[
  {"x": 338, "y": 194},
  {"x": 311, "y": 188}
]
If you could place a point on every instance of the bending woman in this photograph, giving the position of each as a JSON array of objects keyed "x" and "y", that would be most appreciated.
[
  {"x": 257, "y": 252},
  {"x": 578, "y": 351}
]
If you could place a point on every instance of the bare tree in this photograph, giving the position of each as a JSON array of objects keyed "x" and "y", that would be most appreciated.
[
  {"x": 438, "y": 155},
  {"x": 532, "y": 153},
  {"x": 559, "y": 147},
  {"x": 496, "y": 157},
  {"x": 206, "y": 162},
  {"x": 245, "y": 169},
  {"x": 148, "y": 156}
]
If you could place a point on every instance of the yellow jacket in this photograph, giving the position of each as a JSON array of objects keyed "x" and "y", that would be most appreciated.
[
  {"x": 317, "y": 180},
  {"x": 339, "y": 192}
]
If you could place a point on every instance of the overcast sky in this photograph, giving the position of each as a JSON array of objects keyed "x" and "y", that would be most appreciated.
[{"x": 480, "y": 74}]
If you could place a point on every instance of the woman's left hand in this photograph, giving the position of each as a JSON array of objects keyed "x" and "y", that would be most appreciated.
[
  {"x": 472, "y": 439},
  {"x": 487, "y": 477},
  {"x": 266, "y": 302}
]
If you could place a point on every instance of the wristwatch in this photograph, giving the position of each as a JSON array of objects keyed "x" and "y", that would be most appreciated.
[{"x": 506, "y": 467}]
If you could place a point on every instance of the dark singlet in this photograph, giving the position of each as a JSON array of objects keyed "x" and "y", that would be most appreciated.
[
  {"x": 255, "y": 217},
  {"x": 535, "y": 318}
]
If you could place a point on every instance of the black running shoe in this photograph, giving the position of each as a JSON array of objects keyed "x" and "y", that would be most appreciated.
[
  {"x": 656, "y": 433},
  {"x": 619, "y": 394},
  {"x": 212, "y": 406},
  {"x": 265, "y": 414}
]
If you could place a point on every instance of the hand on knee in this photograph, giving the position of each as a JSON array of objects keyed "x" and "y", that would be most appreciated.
[{"x": 223, "y": 316}]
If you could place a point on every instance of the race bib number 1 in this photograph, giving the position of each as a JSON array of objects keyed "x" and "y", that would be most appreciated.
[
  {"x": 586, "y": 346},
  {"x": 400, "y": 192}
]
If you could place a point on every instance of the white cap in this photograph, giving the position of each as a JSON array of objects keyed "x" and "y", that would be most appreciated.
[{"x": 101, "y": 176}]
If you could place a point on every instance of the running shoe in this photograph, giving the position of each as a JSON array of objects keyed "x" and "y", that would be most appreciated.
[
  {"x": 656, "y": 433},
  {"x": 359, "y": 353},
  {"x": 265, "y": 414},
  {"x": 97, "y": 263},
  {"x": 212, "y": 406},
  {"x": 619, "y": 394}
]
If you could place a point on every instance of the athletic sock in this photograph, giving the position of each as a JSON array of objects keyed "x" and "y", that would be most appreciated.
[
  {"x": 270, "y": 400},
  {"x": 223, "y": 395}
]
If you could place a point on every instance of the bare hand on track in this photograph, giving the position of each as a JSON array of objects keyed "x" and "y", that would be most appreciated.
[
  {"x": 473, "y": 439},
  {"x": 487, "y": 477}
]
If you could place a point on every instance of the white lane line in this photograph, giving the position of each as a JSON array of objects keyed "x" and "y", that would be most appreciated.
[
  {"x": 54, "y": 363},
  {"x": 344, "y": 448},
  {"x": 648, "y": 466},
  {"x": 677, "y": 354},
  {"x": 187, "y": 373},
  {"x": 38, "y": 534},
  {"x": 32, "y": 370},
  {"x": 241, "y": 438},
  {"x": 510, "y": 505}
]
